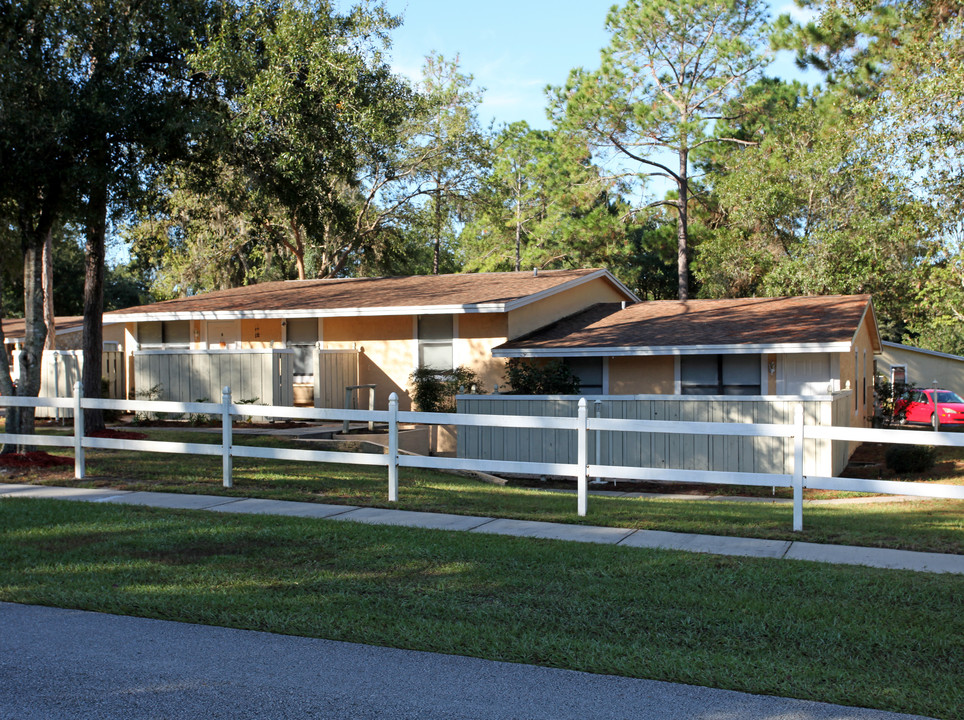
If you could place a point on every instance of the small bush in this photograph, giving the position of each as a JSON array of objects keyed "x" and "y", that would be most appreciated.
[
  {"x": 910, "y": 458},
  {"x": 152, "y": 394},
  {"x": 527, "y": 378},
  {"x": 200, "y": 418},
  {"x": 435, "y": 390},
  {"x": 246, "y": 401}
]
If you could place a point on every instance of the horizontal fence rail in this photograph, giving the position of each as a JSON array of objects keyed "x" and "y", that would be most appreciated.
[{"x": 581, "y": 424}]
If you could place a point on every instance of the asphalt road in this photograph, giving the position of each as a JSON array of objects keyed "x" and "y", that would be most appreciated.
[{"x": 57, "y": 663}]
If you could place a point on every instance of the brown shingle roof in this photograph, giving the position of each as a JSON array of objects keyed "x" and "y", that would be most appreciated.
[
  {"x": 674, "y": 325},
  {"x": 369, "y": 295},
  {"x": 15, "y": 329}
]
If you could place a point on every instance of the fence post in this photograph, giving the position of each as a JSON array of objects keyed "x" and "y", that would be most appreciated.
[
  {"x": 371, "y": 407},
  {"x": 226, "y": 463},
  {"x": 798, "y": 468},
  {"x": 80, "y": 467},
  {"x": 345, "y": 426},
  {"x": 582, "y": 456},
  {"x": 393, "y": 448}
]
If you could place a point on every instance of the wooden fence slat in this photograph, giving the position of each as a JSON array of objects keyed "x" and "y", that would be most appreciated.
[{"x": 654, "y": 449}]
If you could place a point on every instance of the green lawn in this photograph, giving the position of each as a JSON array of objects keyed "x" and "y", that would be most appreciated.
[
  {"x": 887, "y": 639},
  {"x": 926, "y": 525}
]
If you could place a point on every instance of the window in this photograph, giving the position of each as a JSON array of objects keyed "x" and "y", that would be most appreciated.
[
  {"x": 302, "y": 334},
  {"x": 720, "y": 374},
  {"x": 435, "y": 334},
  {"x": 169, "y": 333},
  {"x": 590, "y": 374},
  {"x": 898, "y": 375}
]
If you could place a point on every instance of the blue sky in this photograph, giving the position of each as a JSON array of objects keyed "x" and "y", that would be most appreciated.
[{"x": 515, "y": 48}]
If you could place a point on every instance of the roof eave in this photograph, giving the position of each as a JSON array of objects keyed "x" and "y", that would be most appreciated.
[
  {"x": 911, "y": 348},
  {"x": 657, "y": 350},
  {"x": 568, "y": 285},
  {"x": 312, "y": 313},
  {"x": 875, "y": 341}
]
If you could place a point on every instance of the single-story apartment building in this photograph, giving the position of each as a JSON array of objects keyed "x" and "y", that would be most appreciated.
[
  {"x": 748, "y": 346},
  {"x": 731, "y": 360},
  {"x": 395, "y": 324}
]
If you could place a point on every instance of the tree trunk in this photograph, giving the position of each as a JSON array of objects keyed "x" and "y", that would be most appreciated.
[
  {"x": 297, "y": 247},
  {"x": 48, "y": 288},
  {"x": 518, "y": 228},
  {"x": 93, "y": 341},
  {"x": 438, "y": 231},
  {"x": 682, "y": 230},
  {"x": 31, "y": 356},
  {"x": 6, "y": 382}
]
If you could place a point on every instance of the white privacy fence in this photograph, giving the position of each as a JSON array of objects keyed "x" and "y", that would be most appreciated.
[
  {"x": 681, "y": 451},
  {"x": 182, "y": 375},
  {"x": 582, "y": 425},
  {"x": 62, "y": 368}
]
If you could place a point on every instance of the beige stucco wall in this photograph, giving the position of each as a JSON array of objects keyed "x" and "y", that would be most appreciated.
[
  {"x": 923, "y": 369},
  {"x": 389, "y": 352},
  {"x": 115, "y": 333},
  {"x": 552, "y": 308},
  {"x": 642, "y": 375},
  {"x": 262, "y": 334},
  {"x": 860, "y": 376},
  {"x": 477, "y": 334}
]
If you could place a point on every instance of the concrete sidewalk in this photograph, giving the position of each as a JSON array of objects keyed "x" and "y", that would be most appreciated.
[{"x": 714, "y": 544}]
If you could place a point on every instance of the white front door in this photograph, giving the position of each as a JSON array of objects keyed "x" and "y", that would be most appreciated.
[
  {"x": 807, "y": 374},
  {"x": 223, "y": 334}
]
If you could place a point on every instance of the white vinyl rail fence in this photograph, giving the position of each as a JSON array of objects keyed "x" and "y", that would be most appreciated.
[{"x": 582, "y": 424}]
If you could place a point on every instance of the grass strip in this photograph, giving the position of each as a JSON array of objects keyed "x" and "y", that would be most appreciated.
[
  {"x": 891, "y": 640},
  {"x": 923, "y": 525}
]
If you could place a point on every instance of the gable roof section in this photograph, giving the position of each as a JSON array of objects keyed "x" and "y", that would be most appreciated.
[
  {"x": 921, "y": 351},
  {"x": 413, "y": 295},
  {"x": 15, "y": 329},
  {"x": 670, "y": 327}
]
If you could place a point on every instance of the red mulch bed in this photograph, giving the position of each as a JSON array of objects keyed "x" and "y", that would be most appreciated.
[
  {"x": 40, "y": 459},
  {"x": 34, "y": 459}
]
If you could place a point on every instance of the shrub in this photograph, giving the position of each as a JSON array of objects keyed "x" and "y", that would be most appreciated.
[
  {"x": 527, "y": 378},
  {"x": 200, "y": 418},
  {"x": 910, "y": 458},
  {"x": 435, "y": 390},
  {"x": 887, "y": 408},
  {"x": 152, "y": 394}
]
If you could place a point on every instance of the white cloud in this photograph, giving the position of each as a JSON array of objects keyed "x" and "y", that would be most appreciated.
[{"x": 797, "y": 14}]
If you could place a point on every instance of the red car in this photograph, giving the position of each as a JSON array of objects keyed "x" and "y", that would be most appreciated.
[{"x": 932, "y": 407}]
